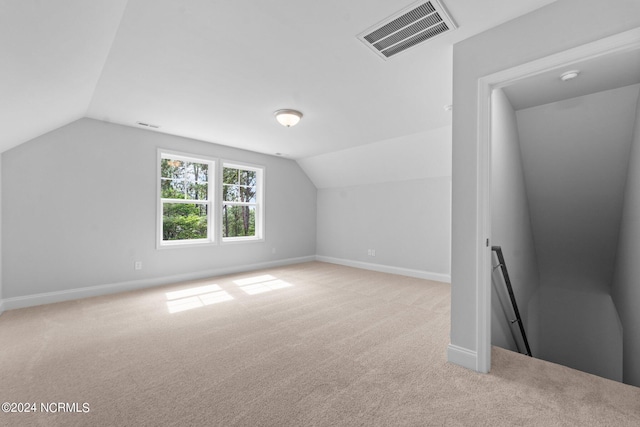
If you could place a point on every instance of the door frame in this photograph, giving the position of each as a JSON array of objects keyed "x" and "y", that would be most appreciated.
[{"x": 622, "y": 42}]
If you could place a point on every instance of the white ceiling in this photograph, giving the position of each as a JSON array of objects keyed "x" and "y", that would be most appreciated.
[
  {"x": 52, "y": 54},
  {"x": 216, "y": 70},
  {"x": 596, "y": 75}
]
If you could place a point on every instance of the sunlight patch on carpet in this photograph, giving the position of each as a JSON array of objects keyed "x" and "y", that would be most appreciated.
[
  {"x": 200, "y": 296},
  {"x": 260, "y": 284}
]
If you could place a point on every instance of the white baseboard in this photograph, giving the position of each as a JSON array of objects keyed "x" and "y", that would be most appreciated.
[
  {"x": 92, "y": 291},
  {"x": 420, "y": 274},
  {"x": 462, "y": 356}
]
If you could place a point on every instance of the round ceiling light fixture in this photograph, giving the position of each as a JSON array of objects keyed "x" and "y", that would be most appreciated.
[
  {"x": 569, "y": 75},
  {"x": 288, "y": 118}
]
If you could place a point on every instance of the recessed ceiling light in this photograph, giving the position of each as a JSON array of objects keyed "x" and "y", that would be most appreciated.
[{"x": 569, "y": 75}]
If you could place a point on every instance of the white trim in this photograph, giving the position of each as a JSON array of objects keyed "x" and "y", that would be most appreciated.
[
  {"x": 483, "y": 230},
  {"x": 92, "y": 291},
  {"x": 259, "y": 203},
  {"x": 420, "y": 274},
  {"x": 210, "y": 202},
  {"x": 462, "y": 356},
  {"x": 626, "y": 41}
]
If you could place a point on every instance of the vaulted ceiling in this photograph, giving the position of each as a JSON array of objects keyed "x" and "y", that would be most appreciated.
[
  {"x": 575, "y": 155},
  {"x": 216, "y": 70},
  {"x": 575, "y": 139}
]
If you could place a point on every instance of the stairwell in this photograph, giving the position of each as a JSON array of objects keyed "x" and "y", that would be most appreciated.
[{"x": 565, "y": 209}]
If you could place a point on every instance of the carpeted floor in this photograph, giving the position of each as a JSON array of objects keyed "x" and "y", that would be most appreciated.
[{"x": 312, "y": 344}]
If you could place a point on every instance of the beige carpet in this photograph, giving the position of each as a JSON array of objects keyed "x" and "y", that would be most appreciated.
[{"x": 313, "y": 344}]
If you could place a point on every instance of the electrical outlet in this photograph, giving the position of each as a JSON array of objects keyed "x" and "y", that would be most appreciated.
[
  {"x": 369, "y": 252},
  {"x": 373, "y": 252},
  {"x": 137, "y": 265}
]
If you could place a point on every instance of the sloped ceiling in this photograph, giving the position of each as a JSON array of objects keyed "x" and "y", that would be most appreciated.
[
  {"x": 614, "y": 70},
  {"x": 53, "y": 53},
  {"x": 216, "y": 70},
  {"x": 575, "y": 157},
  {"x": 418, "y": 156},
  {"x": 575, "y": 138}
]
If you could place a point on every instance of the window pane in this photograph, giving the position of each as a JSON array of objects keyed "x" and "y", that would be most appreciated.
[
  {"x": 230, "y": 176},
  {"x": 231, "y": 193},
  {"x": 172, "y": 189},
  {"x": 238, "y": 193},
  {"x": 182, "y": 221},
  {"x": 195, "y": 172},
  {"x": 248, "y": 194},
  {"x": 172, "y": 168},
  {"x": 238, "y": 221},
  {"x": 203, "y": 173},
  {"x": 247, "y": 177},
  {"x": 197, "y": 191},
  {"x": 179, "y": 169}
]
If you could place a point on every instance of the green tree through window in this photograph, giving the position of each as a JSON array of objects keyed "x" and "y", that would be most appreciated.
[
  {"x": 240, "y": 201},
  {"x": 186, "y": 204}
]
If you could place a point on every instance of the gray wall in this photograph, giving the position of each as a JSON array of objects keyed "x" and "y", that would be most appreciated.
[
  {"x": 406, "y": 222},
  {"x": 79, "y": 207},
  {"x": 510, "y": 229},
  {"x": 579, "y": 329},
  {"x": 626, "y": 285},
  {"x": 543, "y": 163},
  {"x": 566, "y": 24},
  {"x": 392, "y": 196},
  {"x": 575, "y": 162}
]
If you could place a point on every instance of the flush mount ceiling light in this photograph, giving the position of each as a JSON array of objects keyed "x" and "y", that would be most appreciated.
[
  {"x": 288, "y": 118},
  {"x": 569, "y": 75}
]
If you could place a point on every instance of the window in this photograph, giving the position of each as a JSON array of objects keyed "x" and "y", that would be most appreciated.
[
  {"x": 185, "y": 208},
  {"x": 189, "y": 212},
  {"x": 242, "y": 207}
]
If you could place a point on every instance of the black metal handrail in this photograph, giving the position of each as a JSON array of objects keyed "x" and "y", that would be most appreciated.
[{"x": 507, "y": 281}]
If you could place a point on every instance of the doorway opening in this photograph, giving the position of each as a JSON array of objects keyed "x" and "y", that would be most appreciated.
[{"x": 526, "y": 90}]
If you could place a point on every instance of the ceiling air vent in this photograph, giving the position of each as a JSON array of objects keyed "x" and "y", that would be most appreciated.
[
  {"x": 148, "y": 125},
  {"x": 416, "y": 24}
]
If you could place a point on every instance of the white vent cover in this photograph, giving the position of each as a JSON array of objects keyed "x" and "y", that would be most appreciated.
[{"x": 411, "y": 26}]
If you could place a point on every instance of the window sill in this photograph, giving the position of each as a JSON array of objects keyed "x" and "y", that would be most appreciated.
[
  {"x": 185, "y": 243},
  {"x": 232, "y": 240}
]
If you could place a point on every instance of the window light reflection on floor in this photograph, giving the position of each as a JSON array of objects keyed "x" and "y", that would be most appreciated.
[
  {"x": 260, "y": 284},
  {"x": 200, "y": 296}
]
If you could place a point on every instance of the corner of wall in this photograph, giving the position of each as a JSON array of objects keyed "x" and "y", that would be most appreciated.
[
  {"x": 420, "y": 274},
  {"x": 624, "y": 290}
]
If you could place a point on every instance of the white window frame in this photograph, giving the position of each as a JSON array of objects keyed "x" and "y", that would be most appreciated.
[
  {"x": 259, "y": 203},
  {"x": 211, "y": 198}
]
